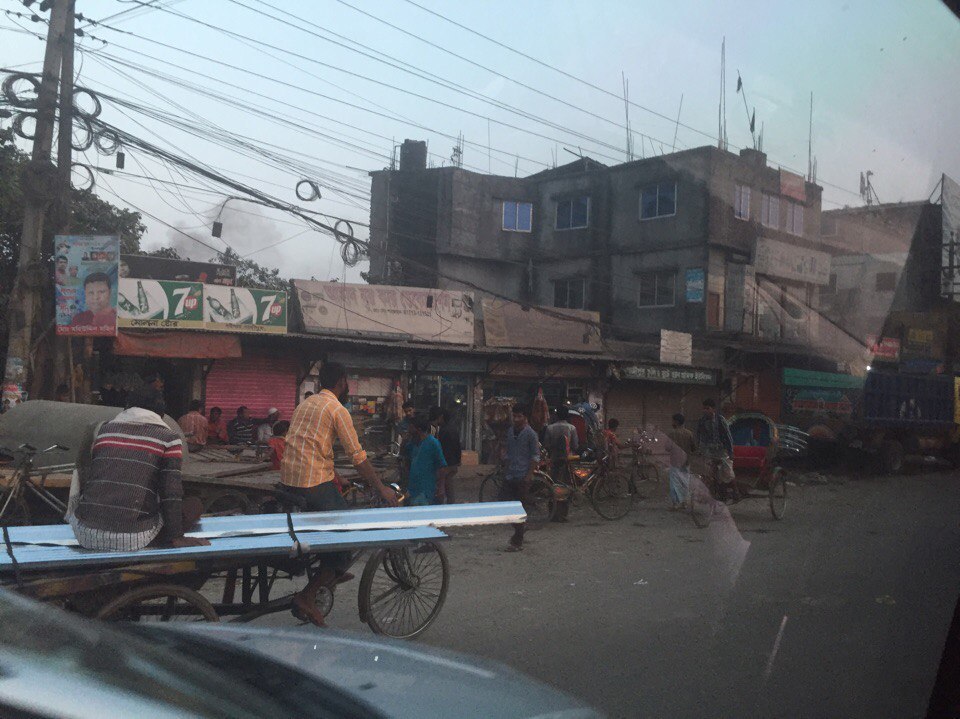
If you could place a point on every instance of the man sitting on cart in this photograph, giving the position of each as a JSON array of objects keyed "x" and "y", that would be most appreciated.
[
  {"x": 131, "y": 490},
  {"x": 307, "y": 470}
]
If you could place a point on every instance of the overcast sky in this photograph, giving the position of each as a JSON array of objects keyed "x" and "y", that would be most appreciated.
[{"x": 883, "y": 75}]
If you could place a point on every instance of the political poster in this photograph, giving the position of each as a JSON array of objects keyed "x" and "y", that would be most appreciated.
[
  {"x": 160, "y": 304},
  {"x": 85, "y": 276},
  {"x": 238, "y": 309}
]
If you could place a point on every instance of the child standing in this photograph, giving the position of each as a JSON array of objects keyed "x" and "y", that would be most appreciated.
[{"x": 428, "y": 468}]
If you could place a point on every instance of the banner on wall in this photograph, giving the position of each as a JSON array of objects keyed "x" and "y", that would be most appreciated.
[
  {"x": 239, "y": 309},
  {"x": 160, "y": 304},
  {"x": 696, "y": 282},
  {"x": 85, "y": 277}
]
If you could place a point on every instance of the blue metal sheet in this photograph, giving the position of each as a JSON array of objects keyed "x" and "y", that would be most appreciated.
[
  {"x": 444, "y": 515},
  {"x": 34, "y": 557}
]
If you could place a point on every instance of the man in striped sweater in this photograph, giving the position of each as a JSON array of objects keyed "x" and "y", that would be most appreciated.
[{"x": 131, "y": 489}]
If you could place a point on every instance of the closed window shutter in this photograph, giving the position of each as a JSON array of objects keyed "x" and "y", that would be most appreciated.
[{"x": 257, "y": 382}]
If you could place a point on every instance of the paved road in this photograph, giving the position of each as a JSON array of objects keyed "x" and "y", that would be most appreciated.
[{"x": 839, "y": 610}]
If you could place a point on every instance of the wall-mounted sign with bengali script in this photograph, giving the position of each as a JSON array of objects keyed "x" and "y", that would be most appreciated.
[
  {"x": 160, "y": 304},
  {"x": 239, "y": 309}
]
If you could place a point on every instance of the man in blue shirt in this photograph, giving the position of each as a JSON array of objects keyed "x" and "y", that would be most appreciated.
[
  {"x": 522, "y": 459},
  {"x": 427, "y": 465}
]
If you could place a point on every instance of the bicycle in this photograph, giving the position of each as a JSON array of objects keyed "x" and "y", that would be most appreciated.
[
  {"x": 14, "y": 507},
  {"x": 540, "y": 504},
  {"x": 611, "y": 491}
]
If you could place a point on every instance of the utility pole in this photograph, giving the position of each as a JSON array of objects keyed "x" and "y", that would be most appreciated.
[{"x": 40, "y": 190}]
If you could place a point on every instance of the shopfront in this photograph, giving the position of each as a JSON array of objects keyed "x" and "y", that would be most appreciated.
[
  {"x": 649, "y": 395},
  {"x": 454, "y": 384}
]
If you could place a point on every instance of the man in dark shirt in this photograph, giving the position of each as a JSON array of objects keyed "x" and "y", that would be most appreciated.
[
  {"x": 240, "y": 429},
  {"x": 716, "y": 445},
  {"x": 450, "y": 443}
]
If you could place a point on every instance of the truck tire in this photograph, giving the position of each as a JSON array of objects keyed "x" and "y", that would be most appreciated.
[{"x": 891, "y": 457}]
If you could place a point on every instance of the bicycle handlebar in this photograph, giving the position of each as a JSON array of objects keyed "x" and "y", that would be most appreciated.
[{"x": 30, "y": 449}]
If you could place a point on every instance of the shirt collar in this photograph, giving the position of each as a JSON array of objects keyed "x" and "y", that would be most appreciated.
[{"x": 138, "y": 415}]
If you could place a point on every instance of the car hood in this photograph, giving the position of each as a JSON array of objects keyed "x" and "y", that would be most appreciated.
[{"x": 399, "y": 679}]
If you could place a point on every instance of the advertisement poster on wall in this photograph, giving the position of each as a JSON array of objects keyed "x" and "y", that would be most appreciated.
[
  {"x": 85, "y": 277},
  {"x": 159, "y": 304},
  {"x": 696, "y": 280},
  {"x": 238, "y": 309}
]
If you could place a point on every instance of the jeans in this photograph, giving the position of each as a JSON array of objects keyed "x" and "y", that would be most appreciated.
[{"x": 679, "y": 484}]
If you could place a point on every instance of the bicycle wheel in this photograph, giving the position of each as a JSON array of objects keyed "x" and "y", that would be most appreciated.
[
  {"x": 159, "y": 603},
  {"x": 402, "y": 590},
  {"x": 701, "y": 502},
  {"x": 540, "y": 504},
  {"x": 490, "y": 487},
  {"x": 610, "y": 496},
  {"x": 778, "y": 494}
]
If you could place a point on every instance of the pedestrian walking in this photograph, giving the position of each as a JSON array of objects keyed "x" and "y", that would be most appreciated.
[
  {"x": 449, "y": 440},
  {"x": 715, "y": 443},
  {"x": 522, "y": 459},
  {"x": 428, "y": 468}
]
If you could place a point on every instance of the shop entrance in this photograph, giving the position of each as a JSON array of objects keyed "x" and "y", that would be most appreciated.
[{"x": 453, "y": 393}]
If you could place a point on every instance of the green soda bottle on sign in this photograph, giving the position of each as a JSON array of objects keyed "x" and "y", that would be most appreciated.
[
  {"x": 234, "y": 304},
  {"x": 142, "y": 300},
  {"x": 125, "y": 304},
  {"x": 218, "y": 308}
]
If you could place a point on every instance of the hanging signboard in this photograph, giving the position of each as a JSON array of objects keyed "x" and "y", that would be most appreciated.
[
  {"x": 696, "y": 281},
  {"x": 950, "y": 260},
  {"x": 428, "y": 315},
  {"x": 682, "y": 375},
  {"x": 144, "y": 267},
  {"x": 85, "y": 277},
  {"x": 676, "y": 347},
  {"x": 160, "y": 304},
  {"x": 238, "y": 309},
  {"x": 789, "y": 262}
]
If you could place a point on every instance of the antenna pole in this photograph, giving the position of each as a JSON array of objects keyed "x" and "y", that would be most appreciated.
[
  {"x": 810, "y": 143},
  {"x": 676, "y": 128}
]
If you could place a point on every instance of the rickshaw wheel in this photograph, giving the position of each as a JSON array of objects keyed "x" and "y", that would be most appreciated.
[
  {"x": 402, "y": 590},
  {"x": 778, "y": 494},
  {"x": 159, "y": 602},
  {"x": 229, "y": 502}
]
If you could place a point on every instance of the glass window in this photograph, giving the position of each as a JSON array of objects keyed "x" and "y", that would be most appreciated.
[
  {"x": 570, "y": 294},
  {"x": 574, "y": 213},
  {"x": 770, "y": 210},
  {"x": 517, "y": 216},
  {"x": 741, "y": 202},
  {"x": 657, "y": 289},
  {"x": 658, "y": 200},
  {"x": 794, "y": 224}
]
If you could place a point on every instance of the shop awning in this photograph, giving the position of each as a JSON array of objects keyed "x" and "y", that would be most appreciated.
[{"x": 177, "y": 345}]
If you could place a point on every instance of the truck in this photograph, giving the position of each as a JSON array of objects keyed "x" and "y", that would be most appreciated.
[{"x": 887, "y": 414}]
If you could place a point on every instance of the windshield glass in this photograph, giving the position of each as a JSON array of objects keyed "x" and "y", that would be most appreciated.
[{"x": 667, "y": 292}]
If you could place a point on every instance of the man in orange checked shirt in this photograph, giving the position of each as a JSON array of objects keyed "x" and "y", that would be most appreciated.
[{"x": 307, "y": 470}]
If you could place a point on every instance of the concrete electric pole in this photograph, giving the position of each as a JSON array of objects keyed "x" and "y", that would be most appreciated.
[{"x": 41, "y": 188}]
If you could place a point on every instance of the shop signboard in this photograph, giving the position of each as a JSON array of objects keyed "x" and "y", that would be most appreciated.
[
  {"x": 85, "y": 278},
  {"x": 510, "y": 324},
  {"x": 808, "y": 394},
  {"x": 790, "y": 262},
  {"x": 427, "y": 315},
  {"x": 145, "y": 267},
  {"x": 695, "y": 283},
  {"x": 887, "y": 348},
  {"x": 950, "y": 258},
  {"x": 239, "y": 309},
  {"x": 160, "y": 304},
  {"x": 679, "y": 375}
]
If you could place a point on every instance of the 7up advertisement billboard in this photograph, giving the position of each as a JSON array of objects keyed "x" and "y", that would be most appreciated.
[
  {"x": 238, "y": 309},
  {"x": 159, "y": 304}
]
